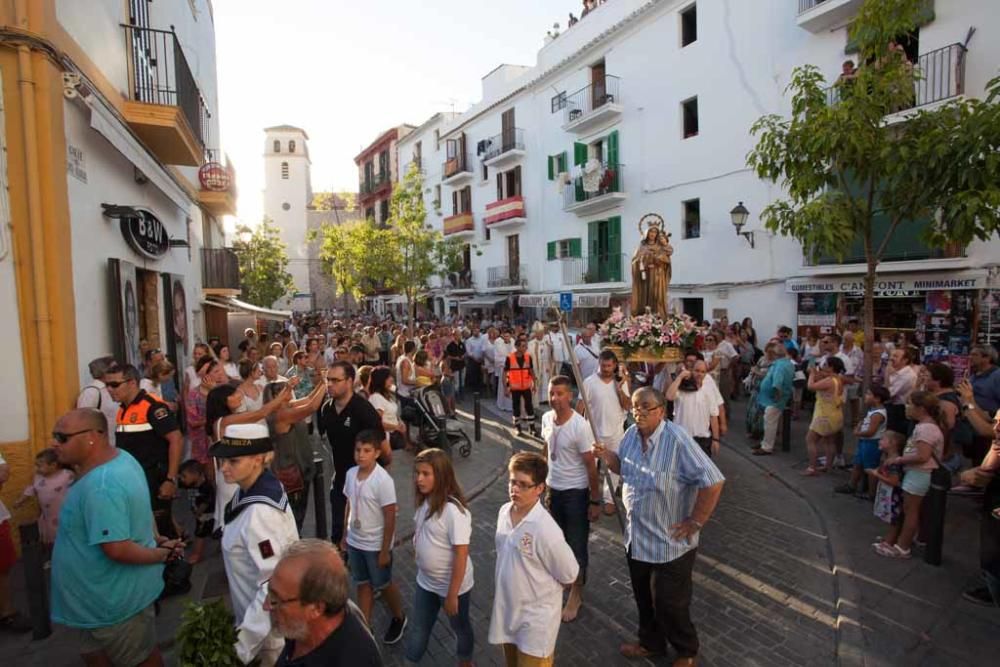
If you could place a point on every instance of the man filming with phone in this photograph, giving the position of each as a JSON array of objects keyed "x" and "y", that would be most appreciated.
[{"x": 695, "y": 407}]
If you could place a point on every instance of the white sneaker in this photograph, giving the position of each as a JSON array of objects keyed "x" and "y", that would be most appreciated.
[{"x": 838, "y": 461}]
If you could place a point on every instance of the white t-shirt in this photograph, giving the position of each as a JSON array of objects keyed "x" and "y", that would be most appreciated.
[
  {"x": 728, "y": 353},
  {"x": 390, "y": 409},
  {"x": 434, "y": 540},
  {"x": 365, "y": 523},
  {"x": 566, "y": 443},
  {"x": 587, "y": 357},
  {"x": 694, "y": 409},
  {"x": 95, "y": 395},
  {"x": 605, "y": 410}
]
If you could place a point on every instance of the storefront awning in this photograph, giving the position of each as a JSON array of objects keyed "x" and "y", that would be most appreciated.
[
  {"x": 232, "y": 304},
  {"x": 931, "y": 281},
  {"x": 482, "y": 302}
]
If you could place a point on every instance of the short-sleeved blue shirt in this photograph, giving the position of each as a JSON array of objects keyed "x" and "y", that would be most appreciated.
[{"x": 108, "y": 504}]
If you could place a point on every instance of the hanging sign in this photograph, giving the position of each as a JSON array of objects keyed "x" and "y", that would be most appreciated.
[{"x": 145, "y": 233}]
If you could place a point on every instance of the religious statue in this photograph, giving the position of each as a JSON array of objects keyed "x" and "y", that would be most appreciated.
[{"x": 651, "y": 267}]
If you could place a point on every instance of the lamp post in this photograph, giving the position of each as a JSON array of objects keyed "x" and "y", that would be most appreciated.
[{"x": 739, "y": 216}]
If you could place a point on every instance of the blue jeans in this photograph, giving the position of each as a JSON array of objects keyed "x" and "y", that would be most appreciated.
[
  {"x": 569, "y": 509},
  {"x": 421, "y": 622}
]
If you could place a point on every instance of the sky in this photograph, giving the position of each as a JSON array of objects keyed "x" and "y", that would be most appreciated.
[{"x": 347, "y": 71}]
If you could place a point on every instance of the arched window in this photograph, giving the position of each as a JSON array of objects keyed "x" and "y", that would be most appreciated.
[
  {"x": 277, "y": 146},
  {"x": 284, "y": 171},
  {"x": 291, "y": 146}
]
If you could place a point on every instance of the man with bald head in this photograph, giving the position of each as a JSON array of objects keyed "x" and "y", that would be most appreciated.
[
  {"x": 307, "y": 598},
  {"x": 107, "y": 569}
]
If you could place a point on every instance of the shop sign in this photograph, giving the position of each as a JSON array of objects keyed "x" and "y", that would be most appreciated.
[
  {"x": 602, "y": 300},
  {"x": 146, "y": 234},
  {"x": 896, "y": 285}
]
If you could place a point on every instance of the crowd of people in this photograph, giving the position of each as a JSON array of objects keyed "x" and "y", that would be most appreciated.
[{"x": 244, "y": 430}]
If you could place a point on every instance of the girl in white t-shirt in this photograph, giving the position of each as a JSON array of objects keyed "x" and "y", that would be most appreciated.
[{"x": 443, "y": 528}]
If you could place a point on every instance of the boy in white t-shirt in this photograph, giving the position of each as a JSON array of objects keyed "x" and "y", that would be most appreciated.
[
  {"x": 533, "y": 564},
  {"x": 370, "y": 517},
  {"x": 574, "y": 490}
]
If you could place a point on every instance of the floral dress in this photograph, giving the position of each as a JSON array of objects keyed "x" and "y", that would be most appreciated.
[{"x": 194, "y": 410}]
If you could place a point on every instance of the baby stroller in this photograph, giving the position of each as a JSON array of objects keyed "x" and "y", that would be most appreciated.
[{"x": 430, "y": 416}]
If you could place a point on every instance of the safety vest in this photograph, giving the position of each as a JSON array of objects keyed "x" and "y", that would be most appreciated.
[{"x": 519, "y": 377}]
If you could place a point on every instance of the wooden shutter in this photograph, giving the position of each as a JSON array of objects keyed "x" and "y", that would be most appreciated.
[
  {"x": 467, "y": 199},
  {"x": 575, "y": 249},
  {"x": 615, "y": 248},
  {"x": 499, "y": 187},
  {"x": 516, "y": 190},
  {"x": 552, "y": 249},
  {"x": 563, "y": 162},
  {"x": 454, "y": 202},
  {"x": 551, "y": 167},
  {"x": 593, "y": 239},
  {"x": 612, "y": 154},
  {"x": 579, "y": 153}
]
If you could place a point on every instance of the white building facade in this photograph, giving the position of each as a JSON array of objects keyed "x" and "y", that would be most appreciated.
[{"x": 645, "y": 107}]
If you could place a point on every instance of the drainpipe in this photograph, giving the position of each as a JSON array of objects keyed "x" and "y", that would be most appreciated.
[{"x": 43, "y": 315}]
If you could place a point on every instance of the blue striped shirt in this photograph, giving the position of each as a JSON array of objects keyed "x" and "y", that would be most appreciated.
[{"x": 659, "y": 490}]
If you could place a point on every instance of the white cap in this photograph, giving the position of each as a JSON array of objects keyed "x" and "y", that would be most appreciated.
[{"x": 246, "y": 431}]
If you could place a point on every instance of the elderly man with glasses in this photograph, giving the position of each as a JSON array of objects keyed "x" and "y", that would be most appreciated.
[{"x": 669, "y": 488}]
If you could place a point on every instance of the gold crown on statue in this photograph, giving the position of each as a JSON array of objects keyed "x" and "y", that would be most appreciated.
[{"x": 651, "y": 220}]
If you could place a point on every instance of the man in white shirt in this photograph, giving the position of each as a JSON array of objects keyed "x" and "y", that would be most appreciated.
[
  {"x": 587, "y": 352},
  {"x": 607, "y": 403},
  {"x": 560, "y": 356},
  {"x": 474, "y": 351},
  {"x": 574, "y": 491},
  {"x": 95, "y": 395},
  {"x": 695, "y": 407},
  {"x": 901, "y": 379}
]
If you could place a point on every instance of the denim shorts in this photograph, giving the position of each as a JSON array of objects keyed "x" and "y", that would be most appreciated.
[
  {"x": 917, "y": 482},
  {"x": 447, "y": 387},
  {"x": 365, "y": 569},
  {"x": 868, "y": 454}
]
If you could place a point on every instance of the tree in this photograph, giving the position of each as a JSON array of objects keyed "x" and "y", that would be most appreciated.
[
  {"x": 330, "y": 201},
  {"x": 263, "y": 261},
  {"x": 842, "y": 164},
  {"x": 357, "y": 254}
]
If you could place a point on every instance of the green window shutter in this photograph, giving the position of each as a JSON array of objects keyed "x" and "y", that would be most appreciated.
[
  {"x": 575, "y": 249},
  {"x": 563, "y": 163},
  {"x": 552, "y": 175},
  {"x": 593, "y": 238},
  {"x": 579, "y": 154},
  {"x": 615, "y": 248},
  {"x": 552, "y": 249},
  {"x": 613, "y": 149}
]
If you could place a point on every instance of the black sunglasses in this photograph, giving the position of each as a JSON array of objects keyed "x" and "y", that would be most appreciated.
[
  {"x": 116, "y": 384},
  {"x": 63, "y": 438}
]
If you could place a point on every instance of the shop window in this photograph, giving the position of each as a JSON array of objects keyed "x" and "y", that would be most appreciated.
[
  {"x": 689, "y": 25},
  {"x": 689, "y": 109},
  {"x": 284, "y": 171},
  {"x": 692, "y": 218}
]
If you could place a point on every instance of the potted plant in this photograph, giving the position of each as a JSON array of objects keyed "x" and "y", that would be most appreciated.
[{"x": 207, "y": 636}]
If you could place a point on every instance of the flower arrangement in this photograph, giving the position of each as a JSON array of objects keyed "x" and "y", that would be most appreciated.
[{"x": 648, "y": 335}]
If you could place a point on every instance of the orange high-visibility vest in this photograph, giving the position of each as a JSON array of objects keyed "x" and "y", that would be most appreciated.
[{"x": 519, "y": 377}]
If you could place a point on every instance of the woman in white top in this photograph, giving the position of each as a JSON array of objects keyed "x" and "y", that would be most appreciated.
[
  {"x": 406, "y": 371},
  {"x": 228, "y": 365},
  {"x": 383, "y": 399},
  {"x": 161, "y": 372},
  {"x": 253, "y": 394}
]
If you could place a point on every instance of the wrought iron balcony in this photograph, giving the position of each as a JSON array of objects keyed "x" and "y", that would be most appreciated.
[
  {"x": 220, "y": 270},
  {"x": 373, "y": 182},
  {"x": 608, "y": 268},
  {"x": 598, "y": 192},
  {"x": 461, "y": 280},
  {"x": 504, "y": 148},
  {"x": 507, "y": 276},
  {"x": 160, "y": 85},
  {"x": 456, "y": 169},
  {"x": 598, "y": 103}
]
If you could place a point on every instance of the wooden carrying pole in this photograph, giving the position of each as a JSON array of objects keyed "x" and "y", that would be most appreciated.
[{"x": 575, "y": 365}]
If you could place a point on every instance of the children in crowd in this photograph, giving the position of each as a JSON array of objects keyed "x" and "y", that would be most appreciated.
[
  {"x": 370, "y": 516},
  {"x": 534, "y": 563},
  {"x": 50, "y": 485},
  {"x": 889, "y": 492},
  {"x": 192, "y": 475},
  {"x": 869, "y": 431},
  {"x": 443, "y": 529}
]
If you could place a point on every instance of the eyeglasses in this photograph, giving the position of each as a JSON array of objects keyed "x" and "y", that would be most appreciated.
[
  {"x": 640, "y": 410},
  {"x": 332, "y": 380},
  {"x": 273, "y": 601},
  {"x": 523, "y": 486},
  {"x": 63, "y": 438},
  {"x": 116, "y": 384}
]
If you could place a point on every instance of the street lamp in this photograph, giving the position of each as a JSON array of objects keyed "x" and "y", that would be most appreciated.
[{"x": 739, "y": 216}]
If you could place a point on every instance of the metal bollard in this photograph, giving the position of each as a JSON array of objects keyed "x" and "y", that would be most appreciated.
[
  {"x": 33, "y": 557},
  {"x": 320, "y": 498},
  {"x": 934, "y": 506},
  {"x": 478, "y": 416},
  {"x": 786, "y": 429}
]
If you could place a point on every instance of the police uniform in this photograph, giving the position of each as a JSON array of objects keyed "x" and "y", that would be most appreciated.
[
  {"x": 259, "y": 525},
  {"x": 141, "y": 429}
]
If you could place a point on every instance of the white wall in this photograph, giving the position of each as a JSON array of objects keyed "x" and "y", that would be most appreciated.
[{"x": 295, "y": 191}]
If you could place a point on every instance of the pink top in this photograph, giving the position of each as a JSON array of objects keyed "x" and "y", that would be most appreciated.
[
  {"x": 931, "y": 434},
  {"x": 50, "y": 492}
]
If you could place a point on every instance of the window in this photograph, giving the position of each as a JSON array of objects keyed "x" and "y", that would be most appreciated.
[
  {"x": 418, "y": 150},
  {"x": 277, "y": 146},
  {"x": 557, "y": 165},
  {"x": 693, "y": 308},
  {"x": 689, "y": 109},
  {"x": 284, "y": 171},
  {"x": 486, "y": 173},
  {"x": 437, "y": 140},
  {"x": 692, "y": 218},
  {"x": 509, "y": 183},
  {"x": 437, "y": 196},
  {"x": 384, "y": 212},
  {"x": 465, "y": 199},
  {"x": 565, "y": 248},
  {"x": 291, "y": 146},
  {"x": 559, "y": 101},
  {"x": 689, "y": 25}
]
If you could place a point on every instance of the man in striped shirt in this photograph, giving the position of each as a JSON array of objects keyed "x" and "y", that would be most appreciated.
[{"x": 669, "y": 488}]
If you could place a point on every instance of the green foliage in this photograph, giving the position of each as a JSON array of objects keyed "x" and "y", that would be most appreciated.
[
  {"x": 358, "y": 255},
  {"x": 263, "y": 262},
  {"x": 328, "y": 201},
  {"x": 841, "y": 163},
  {"x": 207, "y": 636},
  {"x": 417, "y": 244}
]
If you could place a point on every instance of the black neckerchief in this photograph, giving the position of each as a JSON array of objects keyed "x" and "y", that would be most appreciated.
[{"x": 266, "y": 490}]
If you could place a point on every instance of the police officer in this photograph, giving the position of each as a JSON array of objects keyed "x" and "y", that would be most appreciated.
[
  {"x": 519, "y": 380},
  {"x": 147, "y": 429},
  {"x": 258, "y": 525}
]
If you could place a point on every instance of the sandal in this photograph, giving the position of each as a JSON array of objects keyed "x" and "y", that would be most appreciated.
[
  {"x": 634, "y": 651},
  {"x": 810, "y": 472}
]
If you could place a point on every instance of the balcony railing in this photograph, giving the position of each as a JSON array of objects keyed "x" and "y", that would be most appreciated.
[
  {"x": 456, "y": 165},
  {"x": 806, "y": 5},
  {"x": 460, "y": 279},
  {"x": 941, "y": 76},
  {"x": 504, "y": 142},
  {"x": 609, "y": 179},
  {"x": 220, "y": 269},
  {"x": 159, "y": 74},
  {"x": 594, "y": 269},
  {"x": 507, "y": 276},
  {"x": 461, "y": 222},
  {"x": 591, "y": 98},
  {"x": 373, "y": 183}
]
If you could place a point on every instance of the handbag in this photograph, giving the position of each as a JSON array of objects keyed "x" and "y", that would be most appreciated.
[
  {"x": 290, "y": 477},
  {"x": 940, "y": 476},
  {"x": 176, "y": 577}
]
